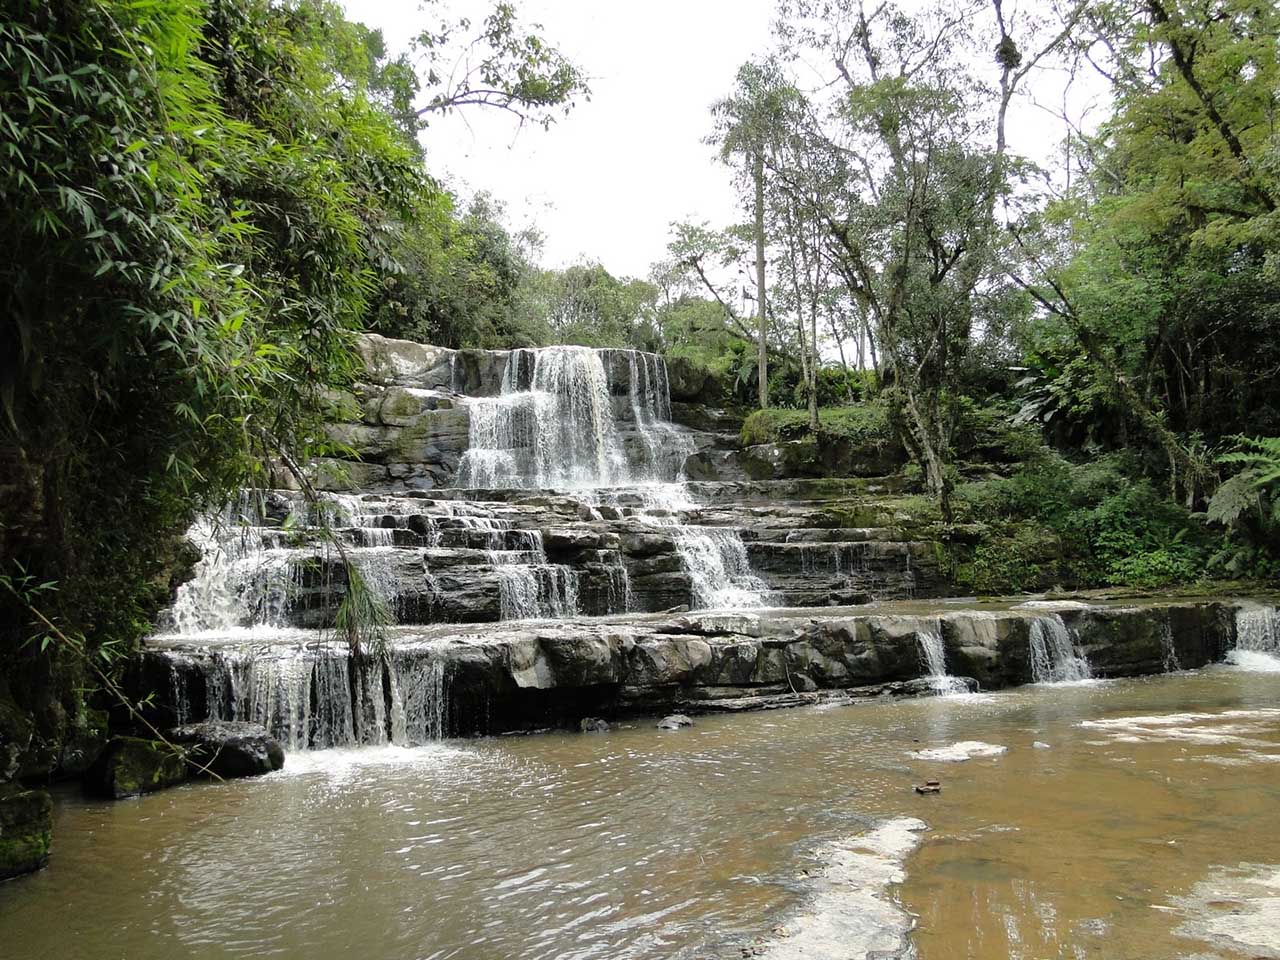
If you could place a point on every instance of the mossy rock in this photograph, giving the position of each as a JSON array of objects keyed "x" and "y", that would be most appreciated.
[
  {"x": 26, "y": 830},
  {"x": 131, "y": 766},
  {"x": 16, "y": 733}
]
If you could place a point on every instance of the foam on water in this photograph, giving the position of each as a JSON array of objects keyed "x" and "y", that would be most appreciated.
[{"x": 1254, "y": 661}]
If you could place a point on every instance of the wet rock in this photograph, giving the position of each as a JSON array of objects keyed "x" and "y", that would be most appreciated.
[
  {"x": 676, "y": 721},
  {"x": 229, "y": 749},
  {"x": 26, "y": 830},
  {"x": 85, "y": 741},
  {"x": 928, "y": 787},
  {"x": 131, "y": 766},
  {"x": 593, "y": 725},
  {"x": 1040, "y": 745}
]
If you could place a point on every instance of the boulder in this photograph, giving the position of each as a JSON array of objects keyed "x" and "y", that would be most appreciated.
[
  {"x": 229, "y": 748},
  {"x": 131, "y": 766},
  {"x": 676, "y": 721},
  {"x": 26, "y": 830}
]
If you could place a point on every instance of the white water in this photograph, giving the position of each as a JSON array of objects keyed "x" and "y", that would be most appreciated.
[
  {"x": 1053, "y": 655},
  {"x": 552, "y": 425},
  {"x": 933, "y": 655},
  {"x": 238, "y": 582},
  {"x": 304, "y": 697},
  {"x": 1257, "y": 640}
]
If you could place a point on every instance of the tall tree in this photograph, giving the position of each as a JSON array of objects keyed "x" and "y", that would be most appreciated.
[{"x": 746, "y": 123}]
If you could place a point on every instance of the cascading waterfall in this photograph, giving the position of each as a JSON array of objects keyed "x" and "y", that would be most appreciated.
[
  {"x": 562, "y": 419},
  {"x": 666, "y": 448},
  {"x": 1053, "y": 655},
  {"x": 933, "y": 655},
  {"x": 316, "y": 698},
  {"x": 239, "y": 582},
  {"x": 553, "y": 425}
]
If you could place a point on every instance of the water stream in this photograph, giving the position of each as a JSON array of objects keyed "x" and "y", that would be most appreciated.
[
  {"x": 1053, "y": 655},
  {"x": 1145, "y": 830}
]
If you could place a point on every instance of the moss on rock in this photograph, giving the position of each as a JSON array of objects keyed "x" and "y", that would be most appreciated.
[
  {"x": 131, "y": 766},
  {"x": 26, "y": 830}
]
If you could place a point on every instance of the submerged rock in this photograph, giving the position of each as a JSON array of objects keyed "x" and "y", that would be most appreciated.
[
  {"x": 959, "y": 752},
  {"x": 674, "y": 722},
  {"x": 131, "y": 766},
  {"x": 229, "y": 748},
  {"x": 26, "y": 830},
  {"x": 593, "y": 725}
]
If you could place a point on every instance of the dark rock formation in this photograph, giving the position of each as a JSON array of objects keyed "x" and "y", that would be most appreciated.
[
  {"x": 228, "y": 749},
  {"x": 531, "y": 675},
  {"x": 131, "y": 766}
]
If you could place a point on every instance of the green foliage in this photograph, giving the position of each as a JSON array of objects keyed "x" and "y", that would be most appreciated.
[
  {"x": 1247, "y": 507},
  {"x": 866, "y": 425},
  {"x": 363, "y": 615},
  {"x": 1112, "y": 530},
  {"x": 501, "y": 64},
  {"x": 199, "y": 209}
]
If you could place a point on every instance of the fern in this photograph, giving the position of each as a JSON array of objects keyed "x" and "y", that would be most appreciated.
[{"x": 1260, "y": 455}]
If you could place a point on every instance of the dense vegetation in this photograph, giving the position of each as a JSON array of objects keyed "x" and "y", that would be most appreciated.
[
  {"x": 203, "y": 202},
  {"x": 206, "y": 200}
]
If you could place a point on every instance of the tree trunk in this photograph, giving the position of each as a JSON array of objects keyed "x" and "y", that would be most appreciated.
[
  {"x": 814, "y": 423},
  {"x": 844, "y": 363},
  {"x": 763, "y": 361}
]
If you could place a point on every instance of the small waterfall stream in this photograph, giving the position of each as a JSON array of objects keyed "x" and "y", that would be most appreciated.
[
  {"x": 933, "y": 655},
  {"x": 1053, "y": 654},
  {"x": 1257, "y": 639}
]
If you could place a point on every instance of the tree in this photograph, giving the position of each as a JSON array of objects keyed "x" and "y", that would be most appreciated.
[
  {"x": 1160, "y": 266},
  {"x": 746, "y": 122},
  {"x": 496, "y": 64}
]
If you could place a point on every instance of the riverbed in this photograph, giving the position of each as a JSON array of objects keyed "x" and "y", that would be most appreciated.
[{"x": 1124, "y": 819}]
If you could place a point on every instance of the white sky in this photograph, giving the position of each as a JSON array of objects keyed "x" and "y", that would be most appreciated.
[{"x": 606, "y": 182}]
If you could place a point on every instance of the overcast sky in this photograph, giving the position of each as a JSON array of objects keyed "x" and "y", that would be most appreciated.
[{"x": 605, "y": 182}]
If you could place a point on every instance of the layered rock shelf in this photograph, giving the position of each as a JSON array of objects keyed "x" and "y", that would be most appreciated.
[
  {"x": 556, "y": 538},
  {"x": 444, "y": 681}
]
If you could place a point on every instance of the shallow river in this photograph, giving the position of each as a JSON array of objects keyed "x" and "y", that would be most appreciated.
[{"x": 1146, "y": 829}]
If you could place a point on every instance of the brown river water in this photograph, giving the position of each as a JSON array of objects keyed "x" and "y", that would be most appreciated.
[{"x": 1146, "y": 829}]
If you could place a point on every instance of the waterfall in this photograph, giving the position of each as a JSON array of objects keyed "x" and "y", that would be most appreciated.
[
  {"x": 666, "y": 448},
  {"x": 1052, "y": 653},
  {"x": 1257, "y": 639},
  {"x": 1168, "y": 651},
  {"x": 720, "y": 574},
  {"x": 933, "y": 656},
  {"x": 304, "y": 696},
  {"x": 529, "y": 586},
  {"x": 238, "y": 582},
  {"x": 418, "y": 698},
  {"x": 552, "y": 425},
  {"x": 1258, "y": 630}
]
